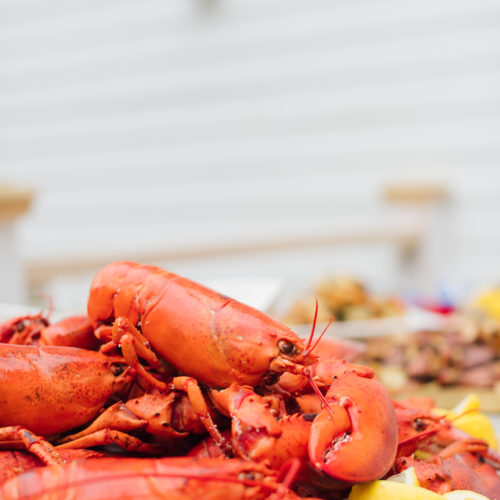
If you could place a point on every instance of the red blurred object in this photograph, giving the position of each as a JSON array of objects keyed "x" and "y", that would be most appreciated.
[{"x": 436, "y": 307}]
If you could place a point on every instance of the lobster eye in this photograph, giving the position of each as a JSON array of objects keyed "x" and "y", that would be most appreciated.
[
  {"x": 286, "y": 347},
  {"x": 419, "y": 425},
  {"x": 116, "y": 369}
]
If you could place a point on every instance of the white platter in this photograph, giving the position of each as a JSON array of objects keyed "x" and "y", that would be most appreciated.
[{"x": 412, "y": 320}]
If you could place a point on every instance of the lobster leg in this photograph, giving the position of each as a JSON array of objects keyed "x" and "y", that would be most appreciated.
[
  {"x": 34, "y": 444},
  {"x": 257, "y": 446},
  {"x": 105, "y": 437},
  {"x": 466, "y": 445},
  {"x": 116, "y": 417},
  {"x": 159, "y": 414},
  {"x": 123, "y": 326},
  {"x": 134, "y": 344},
  {"x": 112, "y": 426},
  {"x": 152, "y": 412},
  {"x": 104, "y": 334},
  {"x": 208, "y": 448},
  {"x": 193, "y": 391}
]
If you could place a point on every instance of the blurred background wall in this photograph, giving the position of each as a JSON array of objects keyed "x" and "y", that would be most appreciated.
[{"x": 254, "y": 138}]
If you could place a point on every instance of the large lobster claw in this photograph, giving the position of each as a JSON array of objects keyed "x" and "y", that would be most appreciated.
[{"x": 355, "y": 438}]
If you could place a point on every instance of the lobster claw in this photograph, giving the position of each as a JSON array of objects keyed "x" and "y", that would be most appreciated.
[{"x": 355, "y": 438}]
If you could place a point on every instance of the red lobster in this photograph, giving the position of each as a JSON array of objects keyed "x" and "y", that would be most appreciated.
[
  {"x": 49, "y": 390},
  {"x": 23, "y": 329},
  {"x": 35, "y": 329},
  {"x": 13, "y": 462},
  {"x": 458, "y": 461},
  {"x": 363, "y": 418},
  {"x": 352, "y": 392},
  {"x": 136, "y": 479},
  {"x": 159, "y": 316},
  {"x": 204, "y": 334}
]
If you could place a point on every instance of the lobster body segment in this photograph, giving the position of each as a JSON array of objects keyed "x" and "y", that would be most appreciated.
[{"x": 233, "y": 342}]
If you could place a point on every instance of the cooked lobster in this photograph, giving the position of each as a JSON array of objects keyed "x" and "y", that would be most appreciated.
[{"x": 147, "y": 478}]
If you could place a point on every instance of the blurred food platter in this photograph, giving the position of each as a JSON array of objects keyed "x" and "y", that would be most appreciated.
[
  {"x": 369, "y": 336},
  {"x": 413, "y": 350}
]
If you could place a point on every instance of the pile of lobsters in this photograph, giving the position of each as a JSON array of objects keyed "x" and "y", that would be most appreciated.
[{"x": 167, "y": 389}]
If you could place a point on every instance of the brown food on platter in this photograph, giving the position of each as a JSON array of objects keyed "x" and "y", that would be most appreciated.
[
  {"x": 465, "y": 353},
  {"x": 345, "y": 299}
]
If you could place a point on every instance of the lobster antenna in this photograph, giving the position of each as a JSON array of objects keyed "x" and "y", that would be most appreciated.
[
  {"x": 315, "y": 388},
  {"x": 307, "y": 350},
  {"x": 51, "y": 304},
  {"x": 311, "y": 335},
  {"x": 466, "y": 412},
  {"x": 219, "y": 477},
  {"x": 435, "y": 427},
  {"x": 50, "y": 299}
]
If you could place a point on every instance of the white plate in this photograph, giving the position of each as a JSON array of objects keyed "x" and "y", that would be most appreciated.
[{"x": 414, "y": 319}]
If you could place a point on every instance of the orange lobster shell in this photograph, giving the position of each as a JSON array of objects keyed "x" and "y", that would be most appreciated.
[
  {"x": 204, "y": 334},
  {"x": 140, "y": 479}
]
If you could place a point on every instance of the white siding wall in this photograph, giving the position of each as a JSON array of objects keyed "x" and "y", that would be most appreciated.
[{"x": 179, "y": 123}]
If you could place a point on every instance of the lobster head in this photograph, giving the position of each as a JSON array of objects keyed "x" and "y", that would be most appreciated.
[
  {"x": 53, "y": 389},
  {"x": 257, "y": 347}
]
